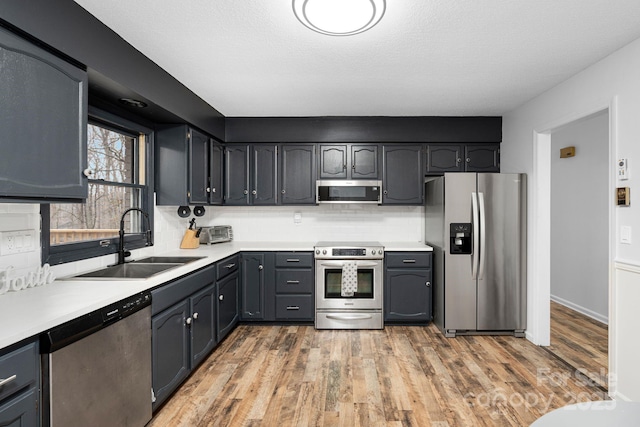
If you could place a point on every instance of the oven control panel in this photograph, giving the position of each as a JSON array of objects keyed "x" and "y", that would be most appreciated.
[{"x": 344, "y": 251}]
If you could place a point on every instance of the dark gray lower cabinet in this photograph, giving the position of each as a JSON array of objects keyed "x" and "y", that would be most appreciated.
[
  {"x": 294, "y": 286},
  {"x": 257, "y": 286},
  {"x": 408, "y": 287},
  {"x": 227, "y": 304},
  {"x": 19, "y": 397},
  {"x": 183, "y": 329}
]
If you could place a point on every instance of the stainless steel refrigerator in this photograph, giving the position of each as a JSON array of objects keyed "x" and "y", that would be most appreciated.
[{"x": 476, "y": 223}]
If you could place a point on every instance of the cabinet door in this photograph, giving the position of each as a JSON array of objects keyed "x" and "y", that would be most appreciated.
[
  {"x": 216, "y": 166},
  {"x": 236, "y": 172},
  {"x": 444, "y": 158},
  {"x": 297, "y": 174},
  {"x": 170, "y": 350},
  {"x": 253, "y": 286},
  {"x": 408, "y": 295},
  {"x": 21, "y": 410},
  {"x": 43, "y": 124},
  {"x": 227, "y": 305},
  {"x": 198, "y": 167},
  {"x": 263, "y": 175},
  {"x": 333, "y": 161},
  {"x": 203, "y": 324},
  {"x": 482, "y": 158},
  {"x": 364, "y": 162},
  {"x": 403, "y": 179}
]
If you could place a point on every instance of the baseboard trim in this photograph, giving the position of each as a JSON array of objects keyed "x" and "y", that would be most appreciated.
[{"x": 580, "y": 309}]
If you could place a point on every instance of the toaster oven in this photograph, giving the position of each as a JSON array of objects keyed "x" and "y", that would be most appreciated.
[{"x": 216, "y": 234}]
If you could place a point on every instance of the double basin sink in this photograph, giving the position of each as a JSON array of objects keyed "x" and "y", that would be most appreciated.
[{"x": 141, "y": 269}]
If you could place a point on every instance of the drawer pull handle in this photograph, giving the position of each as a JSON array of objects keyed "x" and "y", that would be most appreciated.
[
  {"x": 293, "y": 282},
  {"x": 230, "y": 265},
  {"x": 409, "y": 261},
  {"x": 293, "y": 260},
  {"x": 293, "y": 307},
  {"x": 7, "y": 380}
]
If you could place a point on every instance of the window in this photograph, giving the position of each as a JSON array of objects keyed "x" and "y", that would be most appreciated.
[{"x": 118, "y": 154}]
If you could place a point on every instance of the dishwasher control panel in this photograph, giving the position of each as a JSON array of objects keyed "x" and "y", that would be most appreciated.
[{"x": 125, "y": 307}]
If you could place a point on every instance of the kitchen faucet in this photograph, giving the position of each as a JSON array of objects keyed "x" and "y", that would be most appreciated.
[{"x": 122, "y": 254}]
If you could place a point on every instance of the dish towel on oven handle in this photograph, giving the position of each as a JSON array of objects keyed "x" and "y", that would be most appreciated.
[{"x": 349, "y": 283}]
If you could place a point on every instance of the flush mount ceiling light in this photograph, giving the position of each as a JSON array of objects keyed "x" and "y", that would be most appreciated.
[{"x": 339, "y": 17}]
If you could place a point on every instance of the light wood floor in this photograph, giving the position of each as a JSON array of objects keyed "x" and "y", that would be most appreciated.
[
  {"x": 581, "y": 341},
  {"x": 400, "y": 376}
]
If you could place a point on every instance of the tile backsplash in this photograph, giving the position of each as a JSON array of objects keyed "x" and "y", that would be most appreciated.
[{"x": 268, "y": 223}]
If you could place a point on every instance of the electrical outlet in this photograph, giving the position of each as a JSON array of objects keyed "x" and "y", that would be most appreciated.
[{"x": 16, "y": 242}]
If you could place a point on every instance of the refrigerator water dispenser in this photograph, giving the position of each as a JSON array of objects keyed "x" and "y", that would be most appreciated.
[{"x": 460, "y": 238}]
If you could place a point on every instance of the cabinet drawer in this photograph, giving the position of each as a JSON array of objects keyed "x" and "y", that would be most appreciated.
[
  {"x": 24, "y": 364},
  {"x": 176, "y": 291},
  {"x": 227, "y": 266},
  {"x": 294, "y": 259},
  {"x": 408, "y": 259},
  {"x": 290, "y": 281},
  {"x": 294, "y": 307}
]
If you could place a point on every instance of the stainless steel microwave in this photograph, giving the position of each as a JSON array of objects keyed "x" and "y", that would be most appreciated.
[{"x": 349, "y": 191}]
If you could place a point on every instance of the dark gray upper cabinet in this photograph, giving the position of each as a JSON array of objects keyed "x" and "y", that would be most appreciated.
[
  {"x": 250, "y": 174},
  {"x": 216, "y": 176},
  {"x": 183, "y": 166},
  {"x": 482, "y": 158},
  {"x": 403, "y": 178},
  {"x": 297, "y": 172},
  {"x": 43, "y": 124},
  {"x": 348, "y": 161},
  {"x": 445, "y": 158},
  {"x": 462, "y": 158}
]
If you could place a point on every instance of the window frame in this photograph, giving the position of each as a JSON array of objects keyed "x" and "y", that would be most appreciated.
[{"x": 60, "y": 254}]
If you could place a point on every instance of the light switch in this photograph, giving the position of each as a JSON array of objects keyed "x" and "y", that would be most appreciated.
[
  {"x": 297, "y": 218},
  {"x": 625, "y": 234}
]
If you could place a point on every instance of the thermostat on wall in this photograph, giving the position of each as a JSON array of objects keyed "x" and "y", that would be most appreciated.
[{"x": 623, "y": 170}]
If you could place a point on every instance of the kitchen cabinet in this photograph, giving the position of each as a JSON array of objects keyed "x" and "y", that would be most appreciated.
[
  {"x": 408, "y": 287},
  {"x": 462, "y": 158},
  {"x": 257, "y": 286},
  {"x": 43, "y": 125},
  {"x": 402, "y": 175},
  {"x": 184, "y": 166},
  {"x": 183, "y": 329},
  {"x": 348, "y": 161},
  {"x": 227, "y": 282},
  {"x": 216, "y": 174},
  {"x": 19, "y": 396},
  {"x": 294, "y": 286},
  {"x": 250, "y": 175},
  {"x": 297, "y": 173}
]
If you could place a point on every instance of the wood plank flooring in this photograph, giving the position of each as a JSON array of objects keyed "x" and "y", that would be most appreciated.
[
  {"x": 581, "y": 341},
  {"x": 400, "y": 376}
]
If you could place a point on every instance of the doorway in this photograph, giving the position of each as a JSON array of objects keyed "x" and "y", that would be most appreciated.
[{"x": 579, "y": 245}]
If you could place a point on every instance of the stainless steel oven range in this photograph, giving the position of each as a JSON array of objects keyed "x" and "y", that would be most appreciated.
[{"x": 349, "y": 285}]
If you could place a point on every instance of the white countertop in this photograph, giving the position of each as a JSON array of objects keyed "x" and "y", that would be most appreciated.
[{"x": 32, "y": 311}]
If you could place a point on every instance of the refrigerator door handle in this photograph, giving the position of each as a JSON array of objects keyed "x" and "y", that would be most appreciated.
[
  {"x": 475, "y": 230},
  {"x": 483, "y": 240}
]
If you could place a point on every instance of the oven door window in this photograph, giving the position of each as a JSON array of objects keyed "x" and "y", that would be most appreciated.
[{"x": 333, "y": 283}]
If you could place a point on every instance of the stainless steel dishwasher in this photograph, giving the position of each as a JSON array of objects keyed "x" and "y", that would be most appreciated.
[{"x": 97, "y": 368}]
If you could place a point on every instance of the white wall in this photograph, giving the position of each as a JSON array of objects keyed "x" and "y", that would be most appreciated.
[
  {"x": 611, "y": 83},
  {"x": 580, "y": 217}
]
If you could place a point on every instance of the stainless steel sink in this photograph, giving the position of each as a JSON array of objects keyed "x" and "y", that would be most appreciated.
[
  {"x": 127, "y": 271},
  {"x": 167, "y": 260}
]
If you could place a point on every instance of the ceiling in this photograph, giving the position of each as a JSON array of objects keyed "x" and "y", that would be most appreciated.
[{"x": 425, "y": 58}]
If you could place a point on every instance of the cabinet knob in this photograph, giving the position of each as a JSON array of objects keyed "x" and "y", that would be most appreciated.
[
  {"x": 344, "y": 166},
  {"x": 283, "y": 191},
  {"x": 188, "y": 321},
  {"x": 260, "y": 267},
  {"x": 353, "y": 166},
  {"x": 213, "y": 190},
  {"x": 428, "y": 284},
  {"x": 468, "y": 159},
  {"x": 254, "y": 192},
  {"x": 208, "y": 189},
  {"x": 385, "y": 192},
  {"x": 246, "y": 191},
  {"x": 195, "y": 316},
  {"x": 221, "y": 297},
  {"x": 88, "y": 172},
  {"x": 458, "y": 160}
]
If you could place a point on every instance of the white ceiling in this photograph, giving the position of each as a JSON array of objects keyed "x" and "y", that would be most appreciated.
[{"x": 425, "y": 58}]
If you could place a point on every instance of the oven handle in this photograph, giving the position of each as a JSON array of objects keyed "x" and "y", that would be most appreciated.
[
  {"x": 358, "y": 263},
  {"x": 350, "y": 316}
]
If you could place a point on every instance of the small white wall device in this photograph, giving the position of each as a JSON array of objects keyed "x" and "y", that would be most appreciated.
[{"x": 623, "y": 170}]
